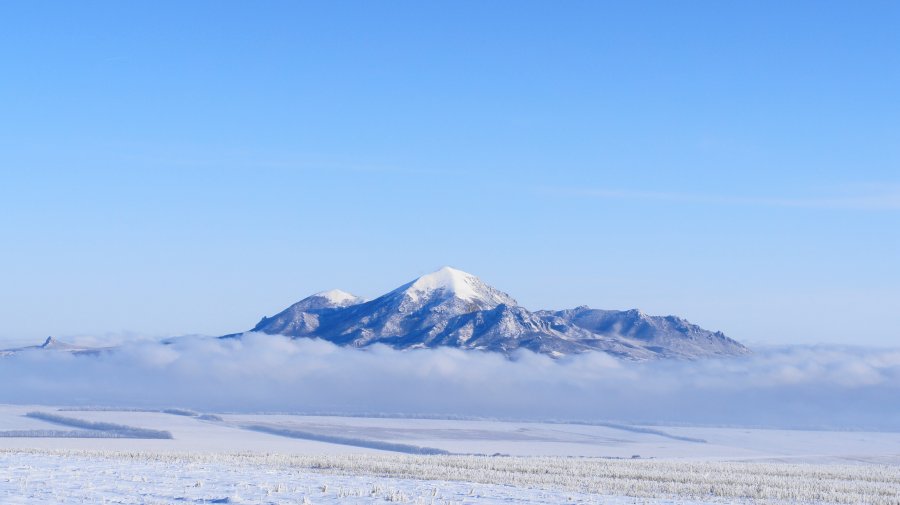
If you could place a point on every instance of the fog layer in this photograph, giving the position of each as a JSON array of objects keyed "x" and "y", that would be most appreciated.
[{"x": 804, "y": 387}]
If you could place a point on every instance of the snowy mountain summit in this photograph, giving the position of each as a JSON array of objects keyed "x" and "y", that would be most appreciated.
[
  {"x": 449, "y": 282},
  {"x": 334, "y": 298},
  {"x": 453, "y": 308}
]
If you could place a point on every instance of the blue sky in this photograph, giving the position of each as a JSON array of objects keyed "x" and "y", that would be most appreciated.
[{"x": 188, "y": 167}]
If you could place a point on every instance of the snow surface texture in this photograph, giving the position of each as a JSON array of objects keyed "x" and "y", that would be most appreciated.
[
  {"x": 452, "y": 308},
  {"x": 72, "y": 477},
  {"x": 223, "y": 459},
  {"x": 797, "y": 387},
  {"x": 295, "y": 434}
]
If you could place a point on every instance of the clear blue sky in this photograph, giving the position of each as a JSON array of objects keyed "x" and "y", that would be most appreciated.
[{"x": 188, "y": 167}]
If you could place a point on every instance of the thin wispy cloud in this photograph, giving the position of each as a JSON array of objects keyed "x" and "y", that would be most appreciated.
[{"x": 868, "y": 197}]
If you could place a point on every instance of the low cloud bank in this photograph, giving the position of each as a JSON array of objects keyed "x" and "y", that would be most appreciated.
[{"x": 802, "y": 387}]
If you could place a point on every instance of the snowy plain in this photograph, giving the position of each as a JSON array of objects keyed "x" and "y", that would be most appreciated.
[{"x": 226, "y": 458}]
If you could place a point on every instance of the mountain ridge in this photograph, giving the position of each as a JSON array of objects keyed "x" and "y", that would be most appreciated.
[{"x": 452, "y": 308}]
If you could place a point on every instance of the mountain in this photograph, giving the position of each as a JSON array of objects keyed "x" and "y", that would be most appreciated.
[
  {"x": 667, "y": 336},
  {"x": 52, "y": 344},
  {"x": 453, "y": 308}
]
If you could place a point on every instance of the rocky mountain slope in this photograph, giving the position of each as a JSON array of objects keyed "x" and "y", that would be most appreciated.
[{"x": 457, "y": 309}]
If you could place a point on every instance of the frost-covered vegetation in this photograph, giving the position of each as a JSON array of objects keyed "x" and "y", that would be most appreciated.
[
  {"x": 446, "y": 479},
  {"x": 64, "y": 434},
  {"x": 173, "y": 411},
  {"x": 180, "y": 412},
  {"x": 353, "y": 442},
  {"x": 112, "y": 430}
]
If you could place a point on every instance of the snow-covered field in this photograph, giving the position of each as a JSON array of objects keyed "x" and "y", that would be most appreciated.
[
  {"x": 315, "y": 459},
  {"x": 44, "y": 476}
]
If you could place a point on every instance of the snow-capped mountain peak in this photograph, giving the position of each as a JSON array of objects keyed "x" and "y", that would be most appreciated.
[
  {"x": 453, "y": 308},
  {"x": 338, "y": 297},
  {"x": 452, "y": 282},
  {"x": 331, "y": 299}
]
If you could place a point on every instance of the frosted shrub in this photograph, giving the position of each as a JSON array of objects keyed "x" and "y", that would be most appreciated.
[{"x": 725, "y": 482}]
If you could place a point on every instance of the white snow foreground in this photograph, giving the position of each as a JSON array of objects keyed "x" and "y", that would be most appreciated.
[
  {"x": 227, "y": 458},
  {"x": 43, "y": 476}
]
